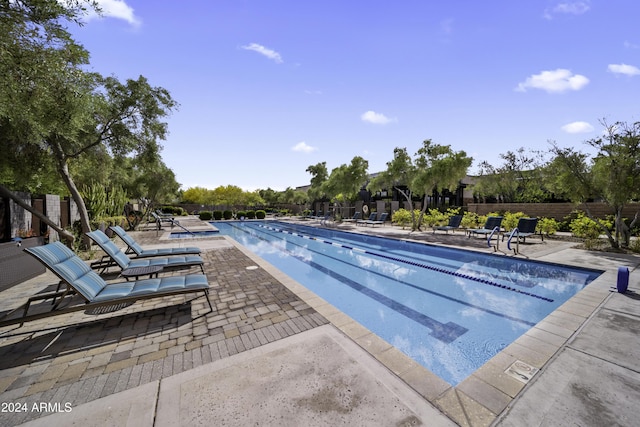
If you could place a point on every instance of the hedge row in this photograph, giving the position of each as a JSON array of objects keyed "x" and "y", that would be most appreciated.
[{"x": 219, "y": 215}]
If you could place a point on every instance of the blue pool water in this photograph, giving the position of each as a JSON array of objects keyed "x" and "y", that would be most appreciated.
[{"x": 450, "y": 310}]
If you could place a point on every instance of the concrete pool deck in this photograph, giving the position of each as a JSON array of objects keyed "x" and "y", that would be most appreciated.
[{"x": 273, "y": 353}]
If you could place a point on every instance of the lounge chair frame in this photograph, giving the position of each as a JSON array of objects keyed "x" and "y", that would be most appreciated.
[
  {"x": 489, "y": 226},
  {"x": 372, "y": 217},
  {"x": 454, "y": 224},
  {"x": 133, "y": 248},
  {"x": 85, "y": 289},
  {"x": 115, "y": 257},
  {"x": 526, "y": 227},
  {"x": 380, "y": 221},
  {"x": 354, "y": 218}
]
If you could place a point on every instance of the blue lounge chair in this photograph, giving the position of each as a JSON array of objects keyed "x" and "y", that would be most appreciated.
[
  {"x": 379, "y": 221},
  {"x": 354, "y": 218},
  {"x": 372, "y": 217},
  {"x": 85, "y": 289},
  {"x": 454, "y": 224},
  {"x": 526, "y": 227},
  {"x": 491, "y": 223},
  {"x": 119, "y": 258},
  {"x": 160, "y": 218},
  {"x": 134, "y": 248}
]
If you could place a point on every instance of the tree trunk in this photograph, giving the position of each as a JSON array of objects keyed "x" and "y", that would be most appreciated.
[
  {"x": 622, "y": 229},
  {"x": 63, "y": 169},
  {"x": 414, "y": 224},
  {"x": 423, "y": 210},
  {"x": 612, "y": 241},
  {"x": 62, "y": 232}
]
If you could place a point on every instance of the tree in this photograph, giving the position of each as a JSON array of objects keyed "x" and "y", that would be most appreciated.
[
  {"x": 519, "y": 179},
  {"x": 199, "y": 195},
  {"x": 345, "y": 181},
  {"x": 39, "y": 64},
  {"x": 151, "y": 186},
  {"x": 123, "y": 118},
  {"x": 319, "y": 175},
  {"x": 435, "y": 168},
  {"x": 612, "y": 175},
  {"x": 53, "y": 112},
  {"x": 269, "y": 196},
  {"x": 300, "y": 197}
]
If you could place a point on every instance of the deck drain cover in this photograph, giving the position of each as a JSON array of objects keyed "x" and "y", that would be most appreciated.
[
  {"x": 252, "y": 267},
  {"x": 521, "y": 371}
]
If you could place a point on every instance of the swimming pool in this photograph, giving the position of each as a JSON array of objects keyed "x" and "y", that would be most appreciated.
[
  {"x": 450, "y": 310},
  {"x": 193, "y": 234}
]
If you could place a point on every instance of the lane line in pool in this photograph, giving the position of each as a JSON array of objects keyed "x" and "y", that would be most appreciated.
[
  {"x": 402, "y": 282},
  {"x": 445, "y": 332},
  {"x": 422, "y": 265},
  {"x": 499, "y": 277}
]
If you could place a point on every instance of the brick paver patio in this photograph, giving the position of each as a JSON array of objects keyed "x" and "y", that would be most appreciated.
[{"x": 73, "y": 359}]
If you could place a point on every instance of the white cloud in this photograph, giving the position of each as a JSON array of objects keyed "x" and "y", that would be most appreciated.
[
  {"x": 118, "y": 9},
  {"x": 625, "y": 69},
  {"x": 269, "y": 53},
  {"x": 570, "y": 7},
  {"x": 629, "y": 45},
  {"x": 376, "y": 118},
  {"x": 555, "y": 81},
  {"x": 303, "y": 147},
  {"x": 577, "y": 127},
  {"x": 313, "y": 92}
]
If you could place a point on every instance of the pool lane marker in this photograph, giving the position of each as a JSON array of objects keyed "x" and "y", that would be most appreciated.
[
  {"x": 445, "y": 332},
  {"x": 413, "y": 263},
  {"x": 419, "y": 288}
]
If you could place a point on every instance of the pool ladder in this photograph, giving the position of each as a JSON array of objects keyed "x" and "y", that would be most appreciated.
[
  {"x": 514, "y": 232},
  {"x": 497, "y": 245}
]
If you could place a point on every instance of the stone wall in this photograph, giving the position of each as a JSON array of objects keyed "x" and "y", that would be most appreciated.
[
  {"x": 21, "y": 219},
  {"x": 52, "y": 210},
  {"x": 22, "y": 222}
]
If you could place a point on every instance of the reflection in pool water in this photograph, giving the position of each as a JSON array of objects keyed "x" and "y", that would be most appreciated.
[{"x": 450, "y": 310}]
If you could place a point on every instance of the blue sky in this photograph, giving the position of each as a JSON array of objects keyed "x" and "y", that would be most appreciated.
[{"x": 267, "y": 88}]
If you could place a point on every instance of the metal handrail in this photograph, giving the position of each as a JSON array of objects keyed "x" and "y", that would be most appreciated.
[
  {"x": 496, "y": 247},
  {"x": 515, "y": 232}
]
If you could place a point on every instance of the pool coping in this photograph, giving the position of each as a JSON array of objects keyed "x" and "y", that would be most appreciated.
[{"x": 482, "y": 397}]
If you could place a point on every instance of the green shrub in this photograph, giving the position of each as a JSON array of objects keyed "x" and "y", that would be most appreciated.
[
  {"x": 241, "y": 214},
  {"x": 472, "y": 220},
  {"x": 402, "y": 217},
  {"x": 174, "y": 210},
  {"x": 95, "y": 199},
  {"x": 205, "y": 215},
  {"x": 227, "y": 214},
  {"x": 586, "y": 228},
  {"x": 261, "y": 214},
  {"x": 564, "y": 225},
  {"x": 547, "y": 226},
  {"x": 251, "y": 214},
  {"x": 217, "y": 215},
  {"x": 510, "y": 219},
  {"x": 434, "y": 217}
]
